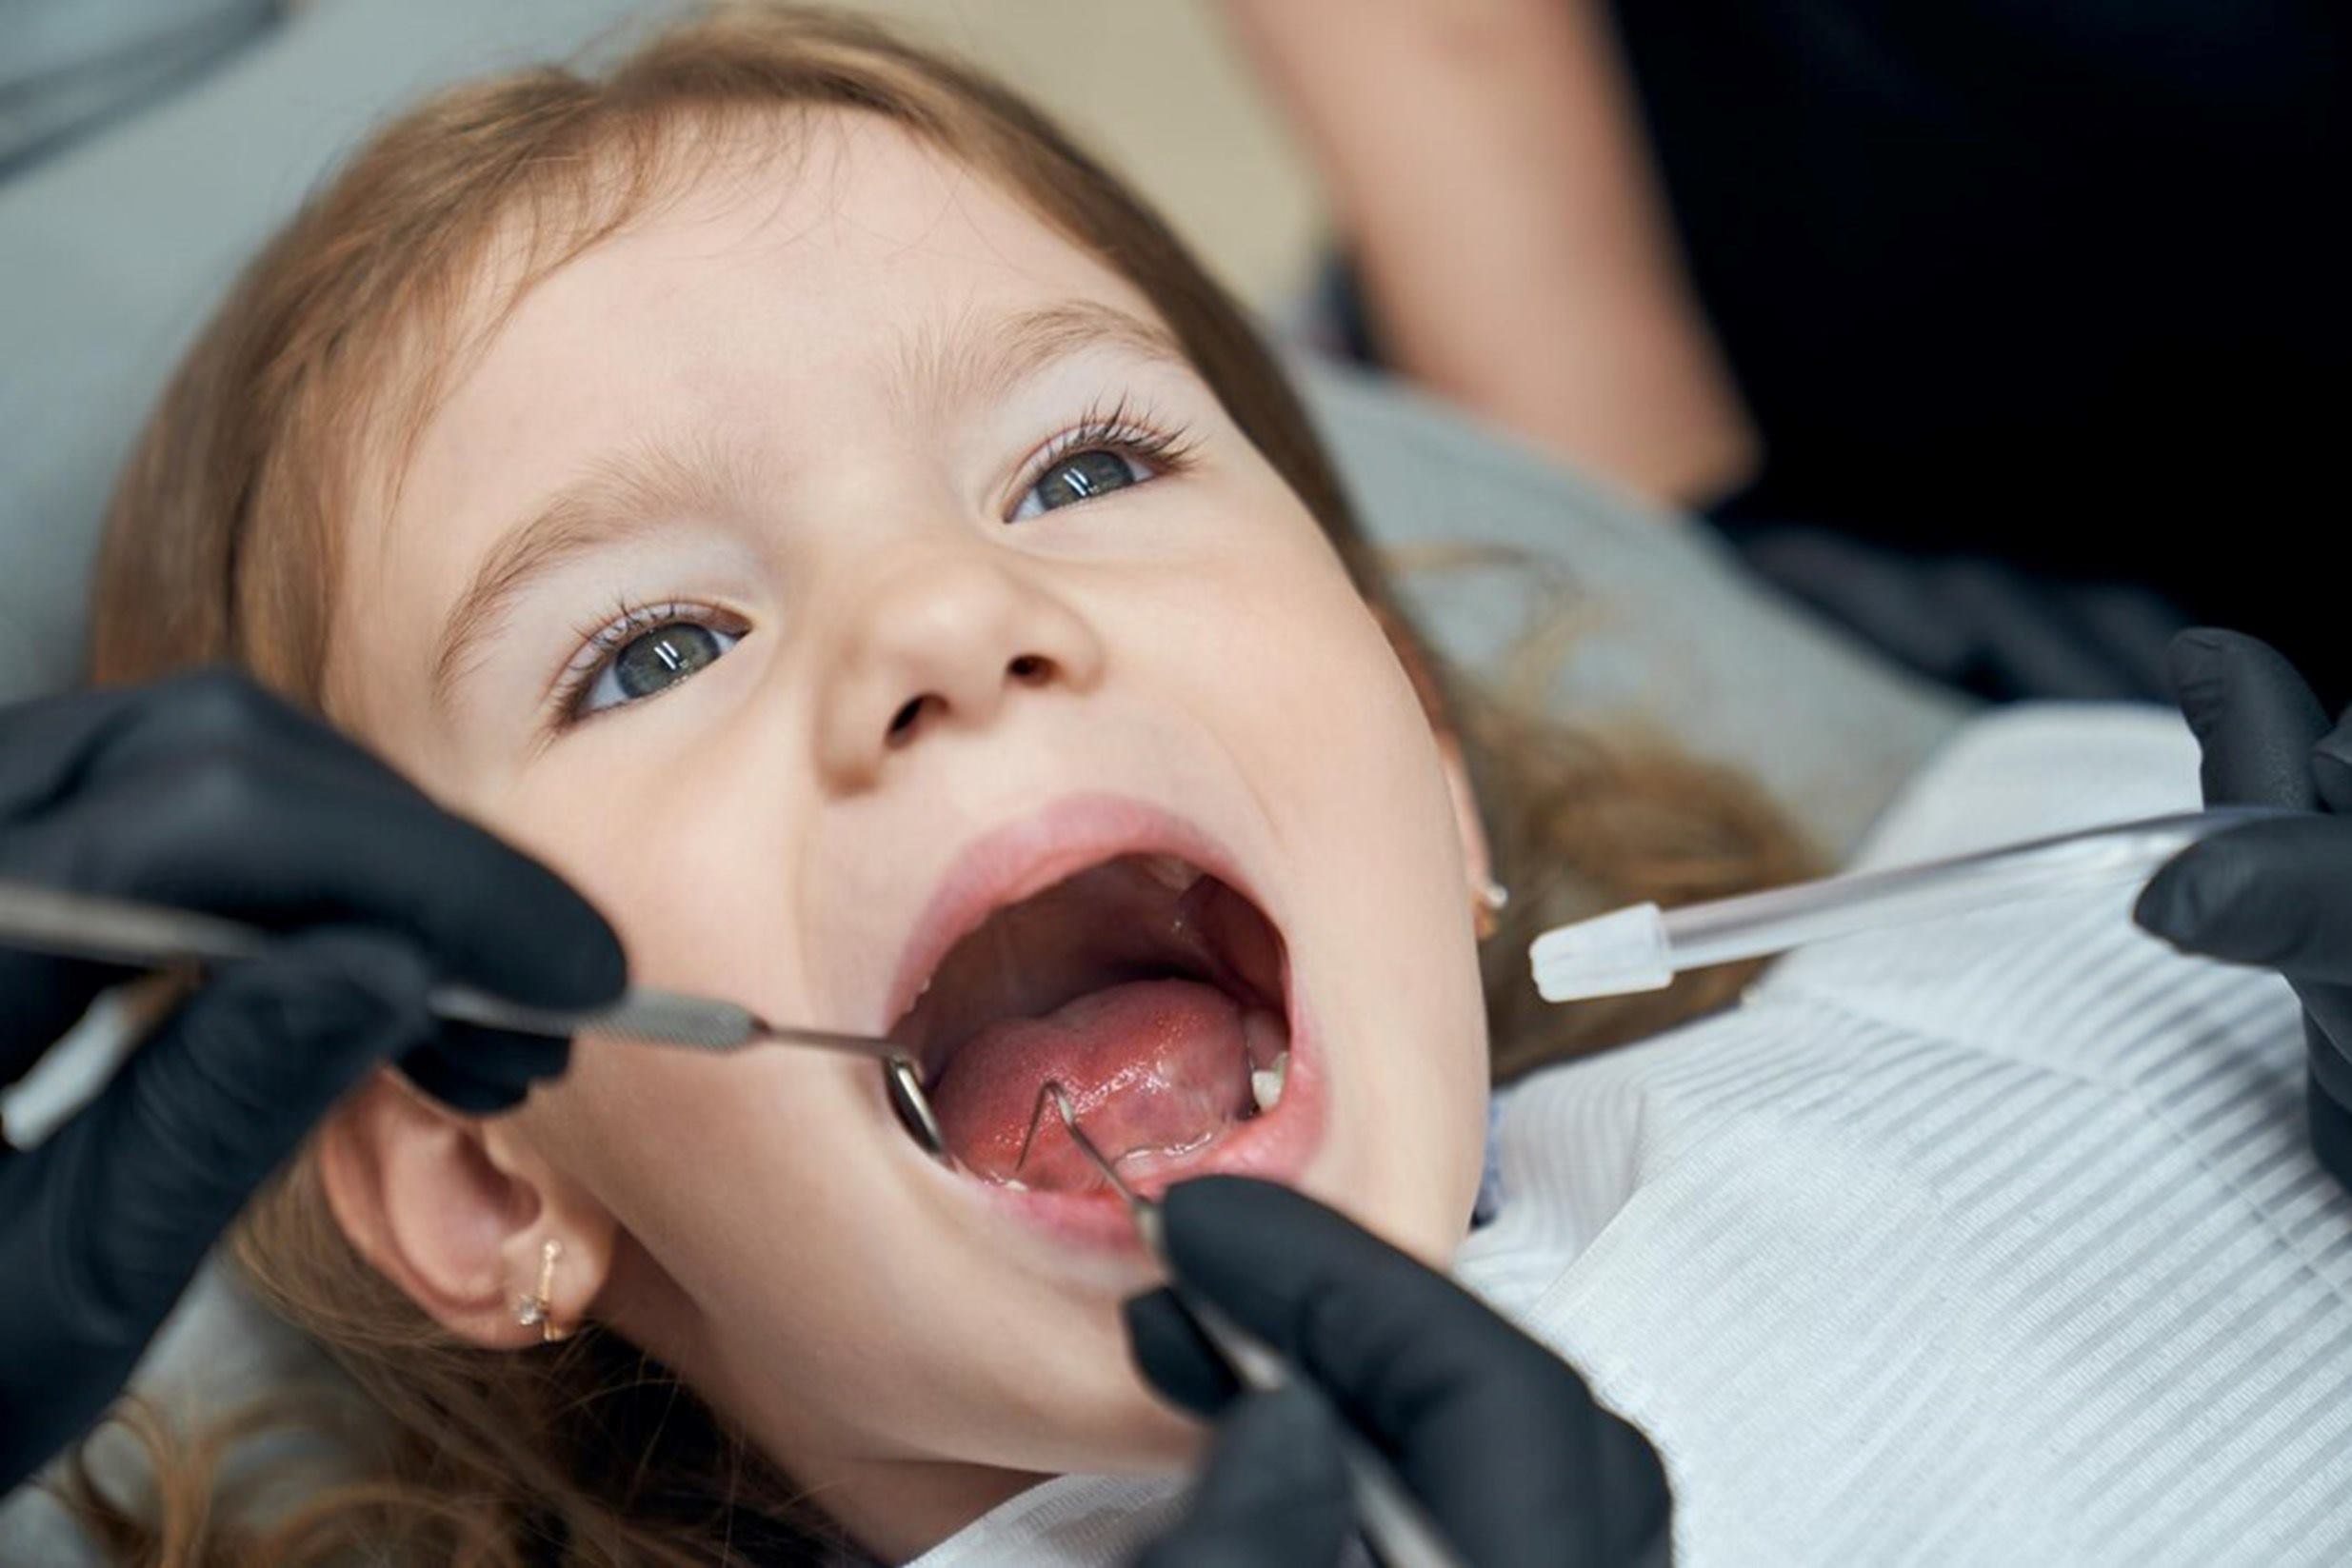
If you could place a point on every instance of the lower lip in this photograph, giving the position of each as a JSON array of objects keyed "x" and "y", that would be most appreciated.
[{"x": 1275, "y": 1145}]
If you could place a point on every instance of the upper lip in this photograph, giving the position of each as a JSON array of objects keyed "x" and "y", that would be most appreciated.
[{"x": 1018, "y": 859}]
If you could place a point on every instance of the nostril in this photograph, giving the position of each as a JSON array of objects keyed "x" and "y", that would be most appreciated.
[{"x": 1028, "y": 669}]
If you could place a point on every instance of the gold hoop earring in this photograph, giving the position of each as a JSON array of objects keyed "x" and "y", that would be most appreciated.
[
  {"x": 538, "y": 1309},
  {"x": 1487, "y": 902}
]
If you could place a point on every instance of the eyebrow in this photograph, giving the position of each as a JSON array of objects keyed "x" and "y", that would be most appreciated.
[
  {"x": 618, "y": 499},
  {"x": 626, "y": 495},
  {"x": 959, "y": 362}
]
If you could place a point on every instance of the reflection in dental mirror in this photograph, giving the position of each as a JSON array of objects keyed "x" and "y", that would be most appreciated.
[{"x": 904, "y": 1086}]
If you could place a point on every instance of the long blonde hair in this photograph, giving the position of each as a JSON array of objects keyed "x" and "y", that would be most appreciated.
[{"x": 221, "y": 544}]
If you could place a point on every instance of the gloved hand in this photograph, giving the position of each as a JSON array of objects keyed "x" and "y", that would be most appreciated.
[
  {"x": 2277, "y": 894},
  {"x": 1497, "y": 1437},
  {"x": 205, "y": 793}
]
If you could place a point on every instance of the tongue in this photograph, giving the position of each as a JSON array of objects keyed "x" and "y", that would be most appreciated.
[{"x": 1149, "y": 1065}]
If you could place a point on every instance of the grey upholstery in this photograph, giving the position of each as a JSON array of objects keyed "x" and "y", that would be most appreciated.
[
  {"x": 68, "y": 69},
  {"x": 1670, "y": 637},
  {"x": 111, "y": 250}
]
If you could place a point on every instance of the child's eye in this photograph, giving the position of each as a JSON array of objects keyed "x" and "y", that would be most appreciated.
[
  {"x": 642, "y": 654},
  {"x": 1079, "y": 477},
  {"x": 1107, "y": 451}
]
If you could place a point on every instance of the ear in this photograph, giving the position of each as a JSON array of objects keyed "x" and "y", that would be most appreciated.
[
  {"x": 1477, "y": 860},
  {"x": 456, "y": 1211}
]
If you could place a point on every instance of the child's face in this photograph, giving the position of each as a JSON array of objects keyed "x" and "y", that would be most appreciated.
[{"x": 806, "y": 419}]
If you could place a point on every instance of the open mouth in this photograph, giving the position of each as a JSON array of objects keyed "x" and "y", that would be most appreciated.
[{"x": 1150, "y": 990}]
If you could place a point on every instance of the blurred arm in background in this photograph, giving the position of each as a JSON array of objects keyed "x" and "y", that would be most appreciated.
[{"x": 1488, "y": 159}]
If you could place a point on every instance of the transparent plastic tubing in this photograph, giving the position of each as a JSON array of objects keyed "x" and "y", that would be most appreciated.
[{"x": 1643, "y": 948}]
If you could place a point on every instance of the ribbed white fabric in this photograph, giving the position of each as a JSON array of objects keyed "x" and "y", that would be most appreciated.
[{"x": 1993, "y": 1241}]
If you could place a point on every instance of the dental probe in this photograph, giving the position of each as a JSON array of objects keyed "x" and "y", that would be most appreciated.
[
  {"x": 1399, "y": 1532},
  {"x": 148, "y": 936},
  {"x": 1641, "y": 947}
]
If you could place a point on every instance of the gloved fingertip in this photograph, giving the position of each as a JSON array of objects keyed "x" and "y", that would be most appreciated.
[
  {"x": 2193, "y": 662},
  {"x": 2172, "y": 905},
  {"x": 1174, "y": 1357},
  {"x": 2331, "y": 769},
  {"x": 365, "y": 969},
  {"x": 469, "y": 1093},
  {"x": 2195, "y": 644},
  {"x": 570, "y": 958},
  {"x": 1258, "y": 1248},
  {"x": 2254, "y": 716},
  {"x": 2207, "y": 664},
  {"x": 482, "y": 1072},
  {"x": 508, "y": 1056},
  {"x": 601, "y": 964},
  {"x": 1208, "y": 1219},
  {"x": 2330, "y": 1128}
]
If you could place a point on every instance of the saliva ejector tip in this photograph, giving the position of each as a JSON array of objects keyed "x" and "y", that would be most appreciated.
[{"x": 1623, "y": 951}]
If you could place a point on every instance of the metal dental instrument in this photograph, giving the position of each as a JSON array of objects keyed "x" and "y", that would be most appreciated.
[
  {"x": 148, "y": 936},
  {"x": 1643, "y": 948},
  {"x": 1400, "y": 1533}
]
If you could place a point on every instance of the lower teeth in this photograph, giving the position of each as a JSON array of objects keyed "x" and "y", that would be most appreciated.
[{"x": 1265, "y": 1083}]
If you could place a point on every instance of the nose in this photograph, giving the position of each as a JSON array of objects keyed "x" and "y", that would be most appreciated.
[{"x": 941, "y": 643}]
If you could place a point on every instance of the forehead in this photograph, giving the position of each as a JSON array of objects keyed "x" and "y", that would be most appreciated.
[{"x": 774, "y": 296}]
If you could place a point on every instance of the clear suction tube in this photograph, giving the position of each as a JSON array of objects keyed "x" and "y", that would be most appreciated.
[{"x": 1643, "y": 948}]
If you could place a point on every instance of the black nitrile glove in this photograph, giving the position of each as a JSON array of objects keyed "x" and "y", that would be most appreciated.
[
  {"x": 1497, "y": 1437},
  {"x": 205, "y": 793},
  {"x": 2276, "y": 894}
]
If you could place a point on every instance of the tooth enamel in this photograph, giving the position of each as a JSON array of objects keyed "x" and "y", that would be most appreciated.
[
  {"x": 1265, "y": 1083},
  {"x": 1175, "y": 875}
]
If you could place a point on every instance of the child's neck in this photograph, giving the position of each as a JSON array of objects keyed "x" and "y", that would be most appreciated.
[{"x": 901, "y": 1510}]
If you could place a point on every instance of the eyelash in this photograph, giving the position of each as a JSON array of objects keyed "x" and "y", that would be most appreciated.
[
  {"x": 1130, "y": 432},
  {"x": 601, "y": 644},
  {"x": 1133, "y": 434}
]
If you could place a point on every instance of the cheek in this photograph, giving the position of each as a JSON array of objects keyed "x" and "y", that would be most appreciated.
[
  {"x": 1294, "y": 673},
  {"x": 804, "y": 1286},
  {"x": 710, "y": 1162},
  {"x": 691, "y": 845},
  {"x": 1305, "y": 671},
  {"x": 745, "y": 1185}
]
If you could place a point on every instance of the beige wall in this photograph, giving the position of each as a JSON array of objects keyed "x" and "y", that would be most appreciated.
[{"x": 1153, "y": 87}]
